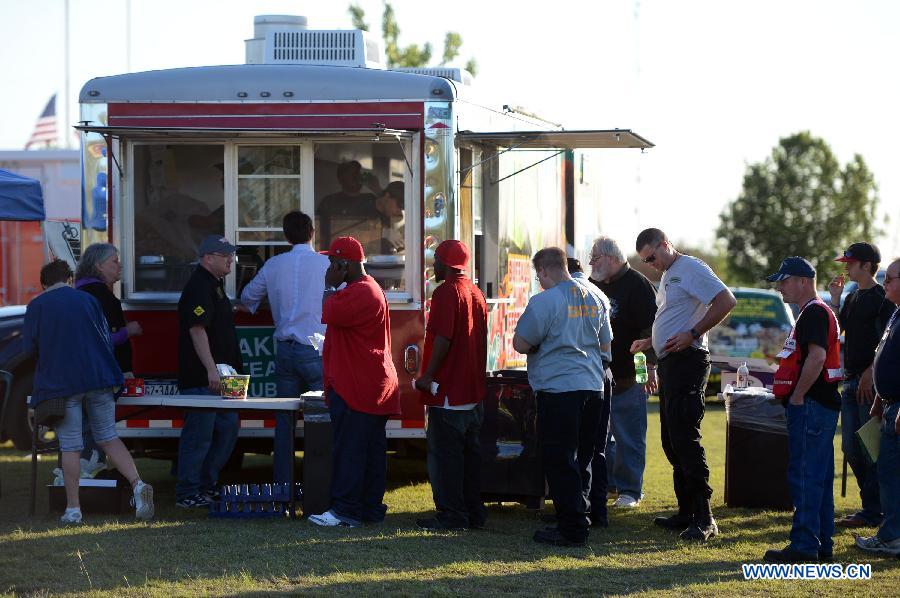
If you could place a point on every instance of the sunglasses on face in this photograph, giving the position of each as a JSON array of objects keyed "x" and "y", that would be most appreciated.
[{"x": 652, "y": 257}]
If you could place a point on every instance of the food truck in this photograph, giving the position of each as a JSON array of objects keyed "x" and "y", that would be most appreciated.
[{"x": 401, "y": 159}]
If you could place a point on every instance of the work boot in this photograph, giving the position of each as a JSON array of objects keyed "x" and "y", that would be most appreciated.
[
  {"x": 681, "y": 519},
  {"x": 703, "y": 527},
  {"x": 678, "y": 521}
]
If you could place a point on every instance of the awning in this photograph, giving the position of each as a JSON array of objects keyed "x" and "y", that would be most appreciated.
[
  {"x": 20, "y": 198},
  {"x": 612, "y": 138}
]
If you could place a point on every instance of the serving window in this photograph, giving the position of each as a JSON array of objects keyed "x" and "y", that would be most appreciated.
[
  {"x": 178, "y": 193},
  {"x": 360, "y": 191},
  {"x": 178, "y": 198}
]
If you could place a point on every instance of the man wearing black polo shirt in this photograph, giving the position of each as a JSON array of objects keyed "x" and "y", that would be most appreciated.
[
  {"x": 863, "y": 317},
  {"x": 206, "y": 337},
  {"x": 887, "y": 406},
  {"x": 812, "y": 414}
]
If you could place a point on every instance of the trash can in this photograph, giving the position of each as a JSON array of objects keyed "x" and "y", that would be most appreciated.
[
  {"x": 511, "y": 469},
  {"x": 756, "y": 451},
  {"x": 317, "y": 439}
]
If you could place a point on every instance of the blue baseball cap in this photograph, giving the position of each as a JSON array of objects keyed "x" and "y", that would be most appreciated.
[
  {"x": 215, "y": 244},
  {"x": 793, "y": 266}
]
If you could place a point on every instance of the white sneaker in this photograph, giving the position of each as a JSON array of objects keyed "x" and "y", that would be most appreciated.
[
  {"x": 71, "y": 516},
  {"x": 327, "y": 519},
  {"x": 876, "y": 544},
  {"x": 143, "y": 501},
  {"x": 626, "y": 502}
]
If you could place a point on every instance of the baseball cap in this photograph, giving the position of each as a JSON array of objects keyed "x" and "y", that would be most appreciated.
[
  {"x": 793, "y": 266},
  {"x": 861, "y": 252},
  {"x": 346, "y": 248},
  {"x": 453, "y": 253},
  {"x": 215, "y": 244}
]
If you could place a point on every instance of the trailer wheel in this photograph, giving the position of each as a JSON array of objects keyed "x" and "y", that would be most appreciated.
[{"x": 18, "y": 423}]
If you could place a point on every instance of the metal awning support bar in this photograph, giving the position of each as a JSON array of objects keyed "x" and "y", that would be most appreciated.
[{"x": 526, "y": 168}]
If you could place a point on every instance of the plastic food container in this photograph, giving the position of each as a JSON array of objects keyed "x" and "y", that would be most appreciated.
[
  {"x": 134, "y": 387},
  {"x": 235, "y": 387}
]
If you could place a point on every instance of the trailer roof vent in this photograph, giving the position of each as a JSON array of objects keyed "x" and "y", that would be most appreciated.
[
  {"x": 454, "y": 74},
  {"x": 330, "y": 48}
]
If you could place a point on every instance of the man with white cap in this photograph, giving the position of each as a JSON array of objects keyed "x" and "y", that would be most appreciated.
[
  {"x": 455, "y": 359},
  {"x": 206, "y": 337}
]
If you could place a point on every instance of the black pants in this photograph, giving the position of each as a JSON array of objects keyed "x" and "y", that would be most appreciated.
[
  {"x": 592, "y": 455},
  {"x": 560, "y": 417},
  {"x": 454, "y": 465},
  {"x": 359, "y": 462},
  {"x": 682, "y": 391}
]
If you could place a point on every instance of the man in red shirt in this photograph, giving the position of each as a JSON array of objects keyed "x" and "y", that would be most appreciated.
[
  {"x": 360, "y": 387},
  {"x": 455, "y": 358}
]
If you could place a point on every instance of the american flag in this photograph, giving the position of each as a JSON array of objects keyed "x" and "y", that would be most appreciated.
[{"x": 45, "y": 127}]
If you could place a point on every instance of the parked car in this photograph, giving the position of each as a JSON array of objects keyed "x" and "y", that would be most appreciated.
[{"x": 755, "y": 328}]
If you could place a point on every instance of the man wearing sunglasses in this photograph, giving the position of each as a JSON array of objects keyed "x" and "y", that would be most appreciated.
[{"x": 691, "y": 300}]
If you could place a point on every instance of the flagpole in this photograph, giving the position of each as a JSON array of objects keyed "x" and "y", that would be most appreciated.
[
  {"x": 66, "y": 132},
  {"x": 127, "y": 36}
]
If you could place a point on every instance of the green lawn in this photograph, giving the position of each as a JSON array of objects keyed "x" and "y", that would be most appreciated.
[{"x": 184, "y": 553}]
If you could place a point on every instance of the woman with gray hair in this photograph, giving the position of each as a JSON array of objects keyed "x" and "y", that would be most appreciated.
[{"x": 97, "y": 272}]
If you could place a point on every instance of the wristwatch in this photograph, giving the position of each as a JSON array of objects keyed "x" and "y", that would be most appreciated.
[{"x": 696, "y": 334}]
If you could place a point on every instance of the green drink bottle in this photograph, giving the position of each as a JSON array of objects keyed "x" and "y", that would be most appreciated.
[{"x": 640, "y": 368}]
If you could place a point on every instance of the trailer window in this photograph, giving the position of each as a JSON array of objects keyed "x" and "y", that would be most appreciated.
[
  {"x": 178, "y": 200},
  {"x": 268, "y": 188},
  {"x": 360, "y": 192}
]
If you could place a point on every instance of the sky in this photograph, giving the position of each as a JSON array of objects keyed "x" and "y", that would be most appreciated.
[{"x": 714, "y": 84}]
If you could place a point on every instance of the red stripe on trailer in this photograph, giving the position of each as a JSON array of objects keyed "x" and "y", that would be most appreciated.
[
  {"x": 137, "y": 423},
  {"x": 335, "y": 115}
]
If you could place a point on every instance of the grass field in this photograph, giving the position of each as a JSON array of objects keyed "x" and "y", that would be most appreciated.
[{"x": 184, "y": 553}]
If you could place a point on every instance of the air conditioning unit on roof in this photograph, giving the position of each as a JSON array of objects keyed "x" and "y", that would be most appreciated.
[
  {"x": 454, "y": 74},
  {"x": 323, "y": 47}
]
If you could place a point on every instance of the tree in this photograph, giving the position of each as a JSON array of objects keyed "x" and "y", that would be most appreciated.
[
  {"x": 412, "y": 55},
  {"x": 799, "y": 201}
]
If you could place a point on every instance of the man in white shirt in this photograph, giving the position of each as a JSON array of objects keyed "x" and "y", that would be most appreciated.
[{"x": 294, "y": 282}]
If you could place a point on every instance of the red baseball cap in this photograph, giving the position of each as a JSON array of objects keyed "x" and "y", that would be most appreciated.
[
  {"x": 346, "y": 248},
  {"x": 453, "y": 253}
]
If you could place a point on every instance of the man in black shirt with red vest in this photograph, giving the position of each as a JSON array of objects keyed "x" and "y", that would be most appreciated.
[
  {"x": 812, "y": 414},
  {"x": 863, "y": 316}
]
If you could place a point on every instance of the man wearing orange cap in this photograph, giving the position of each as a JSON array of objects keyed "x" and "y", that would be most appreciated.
[
  {"x": 360, "y": 386},
  {"x": 453, "y": 386}
]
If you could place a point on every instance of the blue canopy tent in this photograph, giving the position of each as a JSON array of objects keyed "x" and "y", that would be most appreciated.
[{"x": 20, "y": 198}]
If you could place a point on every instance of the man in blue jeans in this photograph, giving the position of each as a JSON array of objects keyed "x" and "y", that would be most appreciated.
[
  {"x": 812, "y": 413},
  {"x": 206, "y": 337},
  {"x": 863, "y": 317},
  {"x": 632, "y": 311},
  {"x": 293, "y": 282},
  {"x": 887, "y": 405}
]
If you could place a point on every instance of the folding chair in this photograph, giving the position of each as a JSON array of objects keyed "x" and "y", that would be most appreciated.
[{"x": 52, "y": 447}]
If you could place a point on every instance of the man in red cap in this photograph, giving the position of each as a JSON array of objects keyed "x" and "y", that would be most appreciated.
[
  {"x": 863, "y": 316},
  {"x": 360, "y": 386},
  {"x": 453, "y": 386}
]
